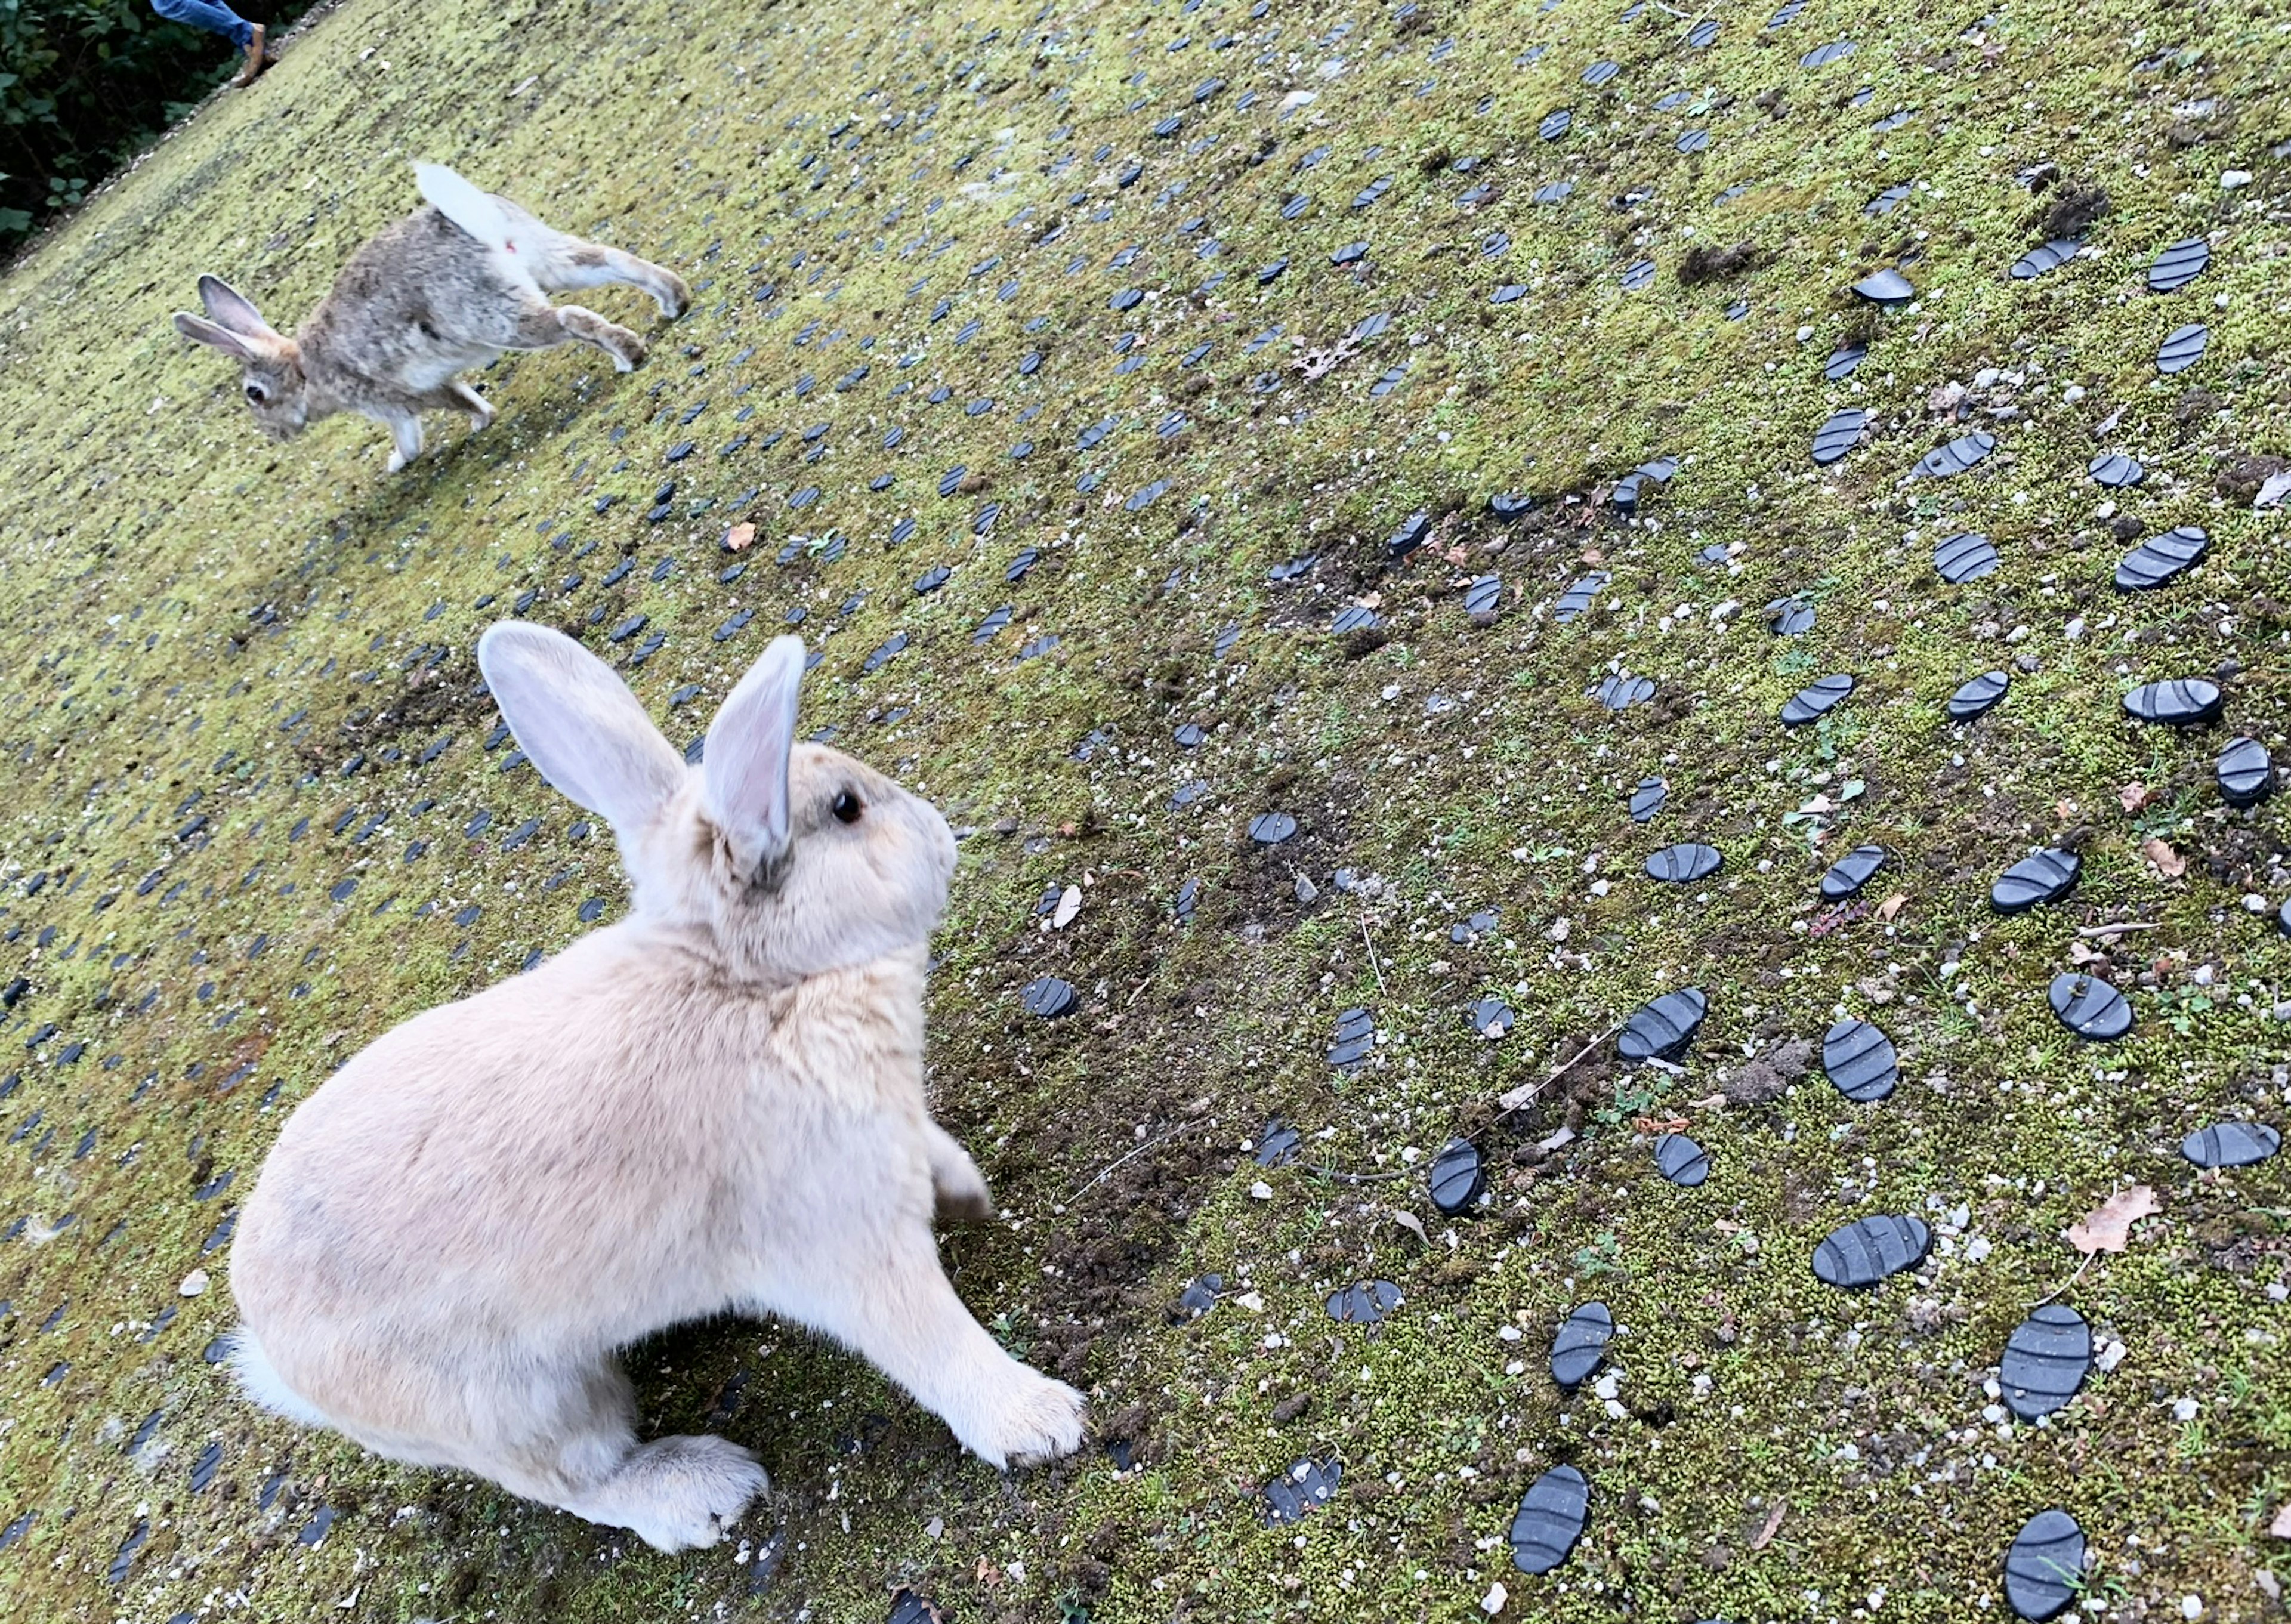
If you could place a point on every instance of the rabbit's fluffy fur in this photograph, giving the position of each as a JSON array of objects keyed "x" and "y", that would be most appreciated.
[
  {"x": 453, "y": 285},
  {"x": 715, "y": 1105}
]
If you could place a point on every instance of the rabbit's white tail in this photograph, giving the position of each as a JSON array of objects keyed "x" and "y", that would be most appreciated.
[
  {"x": 263, "y": 1383},
  {"x": 518, "y": 243},
  {"x": 474, "y": 211}
]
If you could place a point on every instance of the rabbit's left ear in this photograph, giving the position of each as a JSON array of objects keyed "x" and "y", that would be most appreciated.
[
  {"x": 233, "y": 309},
  {"x": 198, "y": 329},
  {"x": 579, "y": 723},
  {"x": 744, "y": 773}
]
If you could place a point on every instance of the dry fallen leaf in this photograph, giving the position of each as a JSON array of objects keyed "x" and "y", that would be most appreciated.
[
  {"x": 1658, "y": 1124},
  {"x": 1773, "y": 1526},
  {"x": 2281, "y": 1526},
  {"x": 2108, "y": 1228},
  {"x": 738, "y": 536},
  {"x": 2165, "y": 858},
  {"x": 1892, "y": 906},
  {"x": 1413, "y": 1224},
  {"x": 2135, "y": 796},
  {"x": 1594, "y": 557},
  {"x": 1069, "y": 904}
]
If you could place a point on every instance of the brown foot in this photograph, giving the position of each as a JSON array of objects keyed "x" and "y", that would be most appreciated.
[{"x": 255, "y": 60}]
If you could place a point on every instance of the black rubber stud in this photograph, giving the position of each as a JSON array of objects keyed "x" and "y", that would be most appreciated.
[
  {"x": 2246, "y": 773},
  {"x": 2182, "y": 347},
  {"x": 1859, "y": 1255},
  {"x": 2183, "y": 701},
  {"x": 1681, "y": 1160},
  {"x": 1860, "y": 1061},
  {"x": 2160, "y": 557},
  {"x": 1887, "y": 286},
  {"x": 1816, "y": 700},
  {"x": 1549, "y": 1520},
  {"x": 1662, "y": 1030},
  {"x": 1580, "y": 1345},
  {"x": 2231, "y": 1144},
  {"x": 1456, "y": 1177},
  {"x": 1306, "y": 1486},
  {"x": 1354, "y": 1041},
  {"x": 1363, "y": 1303},
  {"x": 2044, "y": 1566},
  {"x": 1048, "y": 997},
  {"x": 1647, "y": 798},
  {"x": 1979, "y": 697},
  {"x": 1967, "y": 556},
  {"x": 1483, "y": 599},
  {"x": 2178, "y": 265},
  {"x": 2037, "y": 260},
  {"x": 2047, "y": 876},
  {"x": 1580, "y": 596},
  {"x": 1838, "y": 436},
  {"x": 1622, "y": 690},
  {"x": 2090, "y": 1008},
  {"x": 1958, "y": 455},
  {"x": 1271, "y": 828},
  {"x": 1279, "y": 1145},
  {"x": 1852, "y": 872},
  {"x": 2045, "y": 1361},
  {"x": 1684, "y": 864}
]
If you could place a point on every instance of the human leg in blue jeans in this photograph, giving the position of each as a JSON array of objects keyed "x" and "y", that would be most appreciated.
[{"x": 217, "y": 18}]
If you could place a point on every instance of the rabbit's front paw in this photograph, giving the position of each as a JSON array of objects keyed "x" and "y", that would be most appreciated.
[
  {"x": 679, "y": 1493},
  {"x": 1039, "y": 1421},
  {"x": 960, "y": 1188},
  {"x": 675, "y": 297}
]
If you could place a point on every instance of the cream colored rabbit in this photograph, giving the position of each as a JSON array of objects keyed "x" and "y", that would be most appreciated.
[
  {"x": 450, "y": 286},
  {"x": 713, "y": 1106}
]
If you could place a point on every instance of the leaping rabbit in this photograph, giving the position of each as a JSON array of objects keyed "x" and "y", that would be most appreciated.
[
  {"x": 715, "y": 1105},
  {"x": 451, "y": 286}
]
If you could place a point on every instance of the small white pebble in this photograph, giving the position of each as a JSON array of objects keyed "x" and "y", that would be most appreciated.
[
  {"x": 1492, "y": 1603},
  {"x": 194, "y": 1284},
  {"x": 2191, "y": 1606},
  {"x": 2185, "y": 1409}
]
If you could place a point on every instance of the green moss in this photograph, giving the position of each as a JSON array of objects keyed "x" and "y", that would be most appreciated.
[{"x": 190, "y": 609}]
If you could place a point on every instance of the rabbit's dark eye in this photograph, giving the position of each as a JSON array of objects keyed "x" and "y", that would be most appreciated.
[
  {"x": 847, "y": 807},
  {"x": 254, "y": 393}
]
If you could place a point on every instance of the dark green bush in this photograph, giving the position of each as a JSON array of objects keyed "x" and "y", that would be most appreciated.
[{"x": 84, "y": 84}]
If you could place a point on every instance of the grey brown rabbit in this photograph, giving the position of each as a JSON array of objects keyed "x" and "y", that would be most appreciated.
[
  {"x": 713, "y": 1106},
  {"x": 453, "y": 285}
]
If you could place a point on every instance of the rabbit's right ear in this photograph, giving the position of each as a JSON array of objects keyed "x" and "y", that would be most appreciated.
[
  {"x": 745, "y": 772},
  {"x": 578, "y": 721},
  {"x": 200, "y": 330},
  {"x": 230, "y": 308}
]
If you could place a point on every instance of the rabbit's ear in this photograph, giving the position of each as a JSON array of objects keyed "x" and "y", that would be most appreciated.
[
  {"x": 231, "y": 308},
  {"x": 744, "y": 774},
  {"x": 205, "y": 332},
  {"x": 579, "y": 722}
]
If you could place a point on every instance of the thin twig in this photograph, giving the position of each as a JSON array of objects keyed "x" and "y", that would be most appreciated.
[
  {"x": 2065, "y": 1284},
  {"x": 1529, "y": 1098},
  {"x": 1373, "y": 964},
  {"x": 1335, "y": 1177},
  {"x": 1137, "y": 1150},
  {"x": 2111, "y": 929}
]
